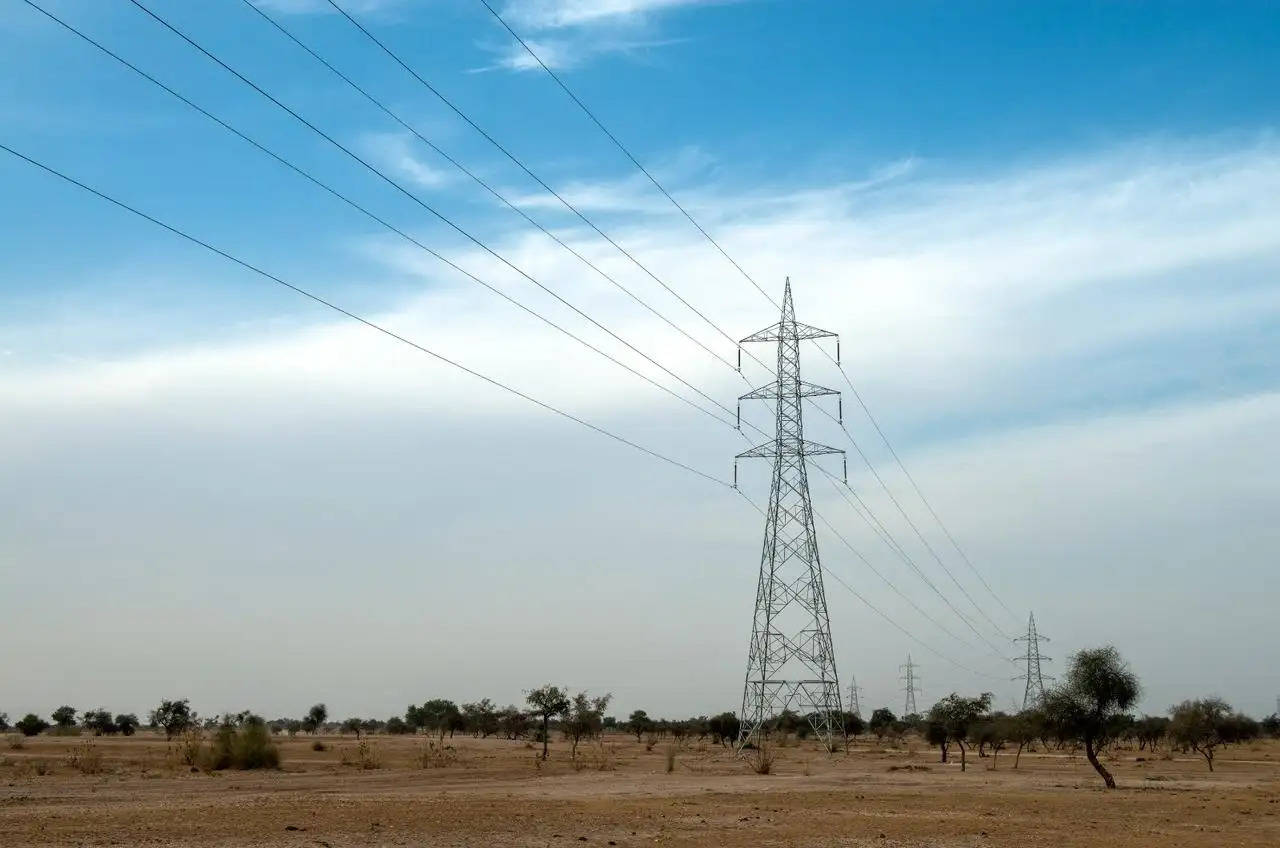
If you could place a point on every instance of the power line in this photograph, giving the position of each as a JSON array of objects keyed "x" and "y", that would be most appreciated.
[
  {"x": 446, "y": 360},
  {"x": 877, "y": 572},
  {"x": 371, "y": 215},
  {"x": 477, "y": 179},
  {"x": 444, "y": 219},
  {"x": 919, "y": 535},
  {"x": 372, "y": 325},
  {"x": 904, "y": 631},
  {"x": 919, "y": 492},
  {"x": 636, "y": 162},
  {"x": 885, "y": 536},
  {"x": 314, "y": 180},
  {"x": 521, "y": 165},
  {"x": 623, "y": 148}
]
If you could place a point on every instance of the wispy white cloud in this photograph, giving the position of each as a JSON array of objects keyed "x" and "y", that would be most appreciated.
[
  {"x": 1027, "y": 321},
  {"x": 398, "y": 152},
  {"x": 569, "y": 33},
  {"x": 554, "y": 14}
]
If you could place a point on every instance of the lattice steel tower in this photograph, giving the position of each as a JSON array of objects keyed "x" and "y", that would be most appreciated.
[
  {"x": 855, "y": 703},
  {"x": 1034, "y": 677},
  {"x": 911, "y": 685},
  {"x": 790, "y": 662}
]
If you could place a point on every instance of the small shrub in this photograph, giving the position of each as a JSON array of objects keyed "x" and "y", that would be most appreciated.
[
  {"x": 246, "y": 746},
  {"x": 186, "y": 751},
  {"x": 319, "y": 746},
  {"x": 437, "y": 755},
  {"x": 15, "y": 742},
  {"x": 365, "y": 756},
  {"x": 762, "y": 760},
  {"x": 598, "y": 757},
  {"x": 86, "y": 759},
  {"x": 670, "y": 752}
]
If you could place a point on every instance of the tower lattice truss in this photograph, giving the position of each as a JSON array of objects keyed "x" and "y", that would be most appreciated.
[{"x": 791, "y": 662}]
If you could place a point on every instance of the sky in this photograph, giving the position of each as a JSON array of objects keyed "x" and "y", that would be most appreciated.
[{"x": 1048, "y": 236}]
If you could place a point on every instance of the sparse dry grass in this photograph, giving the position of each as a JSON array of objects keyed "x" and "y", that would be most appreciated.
[{"x": 505, "y": 797}]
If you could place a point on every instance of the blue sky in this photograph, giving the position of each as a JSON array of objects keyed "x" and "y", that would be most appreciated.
[{"x": 1046, "y": 232}]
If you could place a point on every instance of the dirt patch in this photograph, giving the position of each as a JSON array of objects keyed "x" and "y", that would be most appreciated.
[{"x": 498, "y": 793}]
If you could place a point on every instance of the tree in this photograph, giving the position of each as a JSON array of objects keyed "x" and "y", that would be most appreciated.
[
  {"x": 315, "y": 718},
  {"x": 100, "y": 722},
  {"x": 31, "y": 725},
  {"x": 1202, "y": 725},
  {"x": 439, "y": 715},
  {"x": 64, "y": 717},
  {"x": 725, "y": 728},
  {"x": 481, "y": 718},
  {"x": 1151, "y": 730},
  {"x": 1023, "y": 729},
  {"x": 585, "y": 718},
  {"x": 173, "y": 716},
  {"x": 1271, "y": 725},
  {"x": 352, "y": 725},
  {"x": 127, "y": 723},
  {"x": 936, "y": 734},
  {"x": 1098, "y": 686},
  {"x": 547, "y": 702},
  {"x": 4, "y": 722},
  {"x": 852, "y": 724},
  {"x": 639, "y": 723},
  {"x": 397, "y": 726},
  {"x": 513, "y": 723},
  {"x": 370, "y": 725},
  {"x": 957, "y": 715},
  {"x": 882, "y": 721}
]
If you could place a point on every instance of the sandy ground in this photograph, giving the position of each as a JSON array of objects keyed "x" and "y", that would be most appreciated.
[{"x": 497, "y": 794}]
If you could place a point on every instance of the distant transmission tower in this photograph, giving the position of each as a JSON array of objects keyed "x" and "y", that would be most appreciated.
[
  {"x": 911, "y": 685},
  {"x": 1033, "y": 675},
  {"x": 855, "y": 703},
  {"x": 790, "y": 662}
]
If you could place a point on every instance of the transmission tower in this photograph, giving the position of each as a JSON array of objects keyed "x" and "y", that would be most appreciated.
[
  {"x": 1033, "y": 675},
  {"x": 911, "y": 685},
  {"x": 790, "y": 661},
  {"x": 855, "y": 703}
]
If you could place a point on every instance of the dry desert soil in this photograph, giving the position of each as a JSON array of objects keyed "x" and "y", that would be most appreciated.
[{"x": 493, "y": 792}]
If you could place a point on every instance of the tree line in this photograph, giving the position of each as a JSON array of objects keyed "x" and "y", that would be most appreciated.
[{"x": 1089, "y": 709}]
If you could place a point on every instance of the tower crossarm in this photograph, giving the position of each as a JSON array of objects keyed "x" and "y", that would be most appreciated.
[
  {"x": 770, "y": 391},
  {"x": 775, "y": 333},
  {"x": 770, "y": 450}
]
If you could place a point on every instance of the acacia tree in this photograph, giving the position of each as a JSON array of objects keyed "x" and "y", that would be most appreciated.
[
  {"x": 957, "y": 715},
  {"x": 585, "y": 718},
  {"x": 480, "y": 718},
  {"x": 513, "y": 723},
  {"x": 546, "y": 703},
  {"x": 1098, "y": 686},
  {"x": 1150, "y": 731},
  {"x": 31, "y": 725},
  {"x": 725, "y": 728},
  {"x": 315, "y": 718},
  {"x": 936, "y": 734},
  {"x": 64, "y": 717},
  {"x": 882, "y": 722},
  {"x": 439, "y": 715},
  {"x": 4, "y": 722},
  {"x": 100, "y": 722},
  {"x": 1202, "y": 725},
  {"x": 639, "y": 723},
  {"x": 1023, "y": 729},
  {"x": 173, "y": 716}
]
